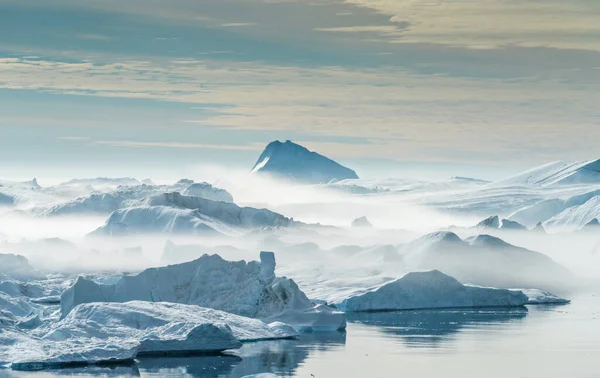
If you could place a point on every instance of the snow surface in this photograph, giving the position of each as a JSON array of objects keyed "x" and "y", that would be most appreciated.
[
  {"x": 293, "y": 162},
  {"x": 206, "y": 190},
  {"x": 248, "y": 289},
  {"x": 559, "y": 172},
  {"x": 428, "y": 290}
]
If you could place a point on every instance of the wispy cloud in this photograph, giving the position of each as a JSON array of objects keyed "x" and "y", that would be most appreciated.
[
  {"x": 237, "y": 24},
  {"x": 413, "y": 116},
  {"x": 95, "y": 37},
  {"x": 74, "y": 138},
  {"x": 186, "y": 145},
  {"x": 361, "y": 29}
]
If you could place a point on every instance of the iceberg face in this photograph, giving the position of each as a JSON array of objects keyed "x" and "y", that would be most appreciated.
[
  {"x": 175, "y": 213},
  {"x": 293, "y": 162},
  {"x": 248, "y": 289},
  {"x": 428, "y": 290}
]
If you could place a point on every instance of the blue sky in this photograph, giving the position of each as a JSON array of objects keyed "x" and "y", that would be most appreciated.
[{"x": 405, "y": 88}]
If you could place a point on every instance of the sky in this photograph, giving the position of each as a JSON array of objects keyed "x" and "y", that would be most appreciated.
[{"x": 406, "y": 88}]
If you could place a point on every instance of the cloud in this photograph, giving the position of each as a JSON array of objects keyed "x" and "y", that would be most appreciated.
[
  {"x": 361, "y": 29},
  {"x": 74, "y": 138},
  {"x": 95, "y": 37},
  {"x": 495, "y": 23},
  {"x": 237, "y": 24},
  {"x": 185, "y": 145},
  {"x": 399, "y": 114}
]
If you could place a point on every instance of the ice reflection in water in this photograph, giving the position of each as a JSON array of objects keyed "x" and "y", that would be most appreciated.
[
  {"x": 282, "y": 357},
  {"x": 434, "y": 328}
]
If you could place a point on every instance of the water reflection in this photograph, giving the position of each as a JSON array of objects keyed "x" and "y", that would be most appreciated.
[
  {"x": 86, "y": 371},
  {"x": 281, "y": 357},
  {"x": 197, "y": 366},
  {"x": 434, "y": 329}
]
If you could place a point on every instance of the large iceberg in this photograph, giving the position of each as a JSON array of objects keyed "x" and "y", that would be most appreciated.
[
  {"x": 428, "y": 290},
  {"x": 95, "y": 333},
  {"x": 248, "y": 289},
  {"x": 293, "y": 162},
  {"x": 110, "y": 199},
  {"x": 487, "y": 261},
  {"x": 559, "y": 172},
  {"x": 176, "y": 213}
]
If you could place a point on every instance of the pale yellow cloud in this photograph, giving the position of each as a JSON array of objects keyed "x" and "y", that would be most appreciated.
[
  {"x": 405, "y": 116},
  {"x": 74, "y": 138},
  {"x": 360, "y": 29},
  {"x": 495, "y": 23}
]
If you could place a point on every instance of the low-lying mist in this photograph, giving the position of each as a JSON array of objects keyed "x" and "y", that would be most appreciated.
[{"x": 326, "y": 255}]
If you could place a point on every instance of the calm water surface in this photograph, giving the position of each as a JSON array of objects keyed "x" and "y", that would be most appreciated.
[{"x": 543, "y": 341}]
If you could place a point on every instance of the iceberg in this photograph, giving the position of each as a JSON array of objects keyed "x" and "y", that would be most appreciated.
[
  {"x": 206, "y": 190},
  {"x": 361, "y": 222},
  {"x": 558, "y": 173},
  {"x": 16, "y": 267},
  {"x": 494, "y": 222},
  {"x": 247, "y": 289},
  {"x": 110, "y": 332},
  {"x": 176, "y": 213},
  {"x": 487, "y": 261},
  {"x": 536, "y": 296},
  {"x": 111, "y": 199},
  {"x": 293, "y": 162},
  {"x": 430, "y": 290}
]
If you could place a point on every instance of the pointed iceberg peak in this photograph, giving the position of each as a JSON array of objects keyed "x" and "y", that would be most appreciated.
[{"x": 296, "y": 163}]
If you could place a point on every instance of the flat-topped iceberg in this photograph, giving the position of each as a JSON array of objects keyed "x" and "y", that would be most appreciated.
[
  {"x": 430, "y": 290},
  {"x": 95, "y": 333},
  {"x": 244, "y": 288}
]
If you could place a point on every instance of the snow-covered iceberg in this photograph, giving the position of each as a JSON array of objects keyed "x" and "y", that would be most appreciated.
[
  {"x": 92, "y": 201},
  {"x": 248, "y": 289},
  {"x": 536, "y": 296},
  {"x": 494, "y": 222},
  {"x": 429, "y": 290},
  {"x": 559, "y": 172},
  {"x": 175, "y": 213},
  {"x": 206, "y": 190},
  {"x": 291, "y": 161},
  {"x": 110, "y": 332}
]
